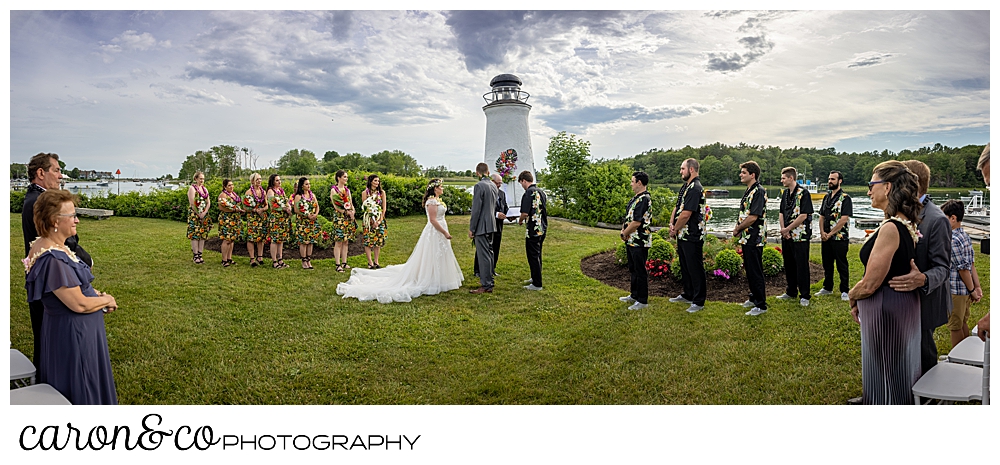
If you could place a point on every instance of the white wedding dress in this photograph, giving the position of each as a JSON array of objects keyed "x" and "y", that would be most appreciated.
[{"x": 431, "y": 269}]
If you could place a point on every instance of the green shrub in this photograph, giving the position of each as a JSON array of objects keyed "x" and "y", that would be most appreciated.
[
  {"x": 712, "y": 239},
  {"x": 675, "y": 269},
  {"x": 556, "y": 208},
  {"x": 663, "y": 233},
  {"x": 772, "y": 260},
  {"x": 459, "y": 201},
  {"x": 662, "y": 250},
  {"x": 17, "y": 201},
  {"x": 662, "y": 200},
  {"x": 728, "y": 261},
  {"x": 621, "y": 254}
]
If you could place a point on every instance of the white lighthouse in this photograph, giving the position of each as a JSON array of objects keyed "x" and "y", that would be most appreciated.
[{"x": 508, "y": 140}]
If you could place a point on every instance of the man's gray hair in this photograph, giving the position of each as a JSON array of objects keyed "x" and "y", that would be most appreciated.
[{"x": 496, "y": 177}]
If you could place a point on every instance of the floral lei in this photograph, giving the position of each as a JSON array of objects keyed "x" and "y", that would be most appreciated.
[
  {"x": 232, "y": 195},
  {"x": 910, "y": 227},
  {"x": 203, "y": 191},
  {"x": 260, "y": 198}
]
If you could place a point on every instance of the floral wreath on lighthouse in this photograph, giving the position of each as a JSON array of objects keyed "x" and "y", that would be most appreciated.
[{"x": 506, "y": 164}]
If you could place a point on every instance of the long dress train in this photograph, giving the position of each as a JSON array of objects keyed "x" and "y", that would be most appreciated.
[{"x": 431, "y": 269}]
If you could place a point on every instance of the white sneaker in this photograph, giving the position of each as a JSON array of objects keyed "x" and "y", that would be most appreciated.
[
  {"x": 528, "y": 281},
  {"x": 531, "y": 287},
  {"x": 823, "y": 292},
  {"x": 804, "y": 302},
  {"x": 755, "y": 311},
  {"x": 638, "y": 306},
  {"x": 784, "y": 296},
  {"x": 627, "y": 299},
  {"x": 694, "y": 308},
  {"x": 844, "y": 297},
  {"x": 748, "y": 304},
  {"x": 680, "y": 300}
]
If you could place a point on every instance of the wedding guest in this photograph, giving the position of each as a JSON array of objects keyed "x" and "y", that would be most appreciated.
[
  {"x": 932, "y": 265},
  {"x": 795, "y": 218},
  {"x": 74, "y": 355},
  {"x": 44, "y": 174},
  {"x": 750, "y": 233},
  {"x": 230, "y": 220},
  {"x": 534, "y": 212},
  {"x": 501, "y": 215},
  {"x": 345, "y": 227},
  {"x": 255, "y": 204},
  {"x": 984, "y": 166},
  {"x": 199, "y": 223},
  {"x": 306, "y": 210},
  {"x": 279, "y": 217},
  {"x": 963, "y": 280},
  {"x": 638, "y": 239},
  {"x": 834, "y": 218},
  {"x": 373, "y": 202},
  {"x": 687, "y": 225},
  {"x": 889, "y": 319}
]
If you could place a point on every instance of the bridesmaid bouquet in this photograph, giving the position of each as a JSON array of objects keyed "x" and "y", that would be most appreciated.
[
  {"x": 372, "y": 211},
  {"x": 305, "y": 207},
  {"x": 249, "y": 202},
  {"x": 346, "y": 199},
  {"x": 280, "y": 202}
]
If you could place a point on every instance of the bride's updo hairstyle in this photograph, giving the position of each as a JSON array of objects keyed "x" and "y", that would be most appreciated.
[{"x": 436, "y": 182}]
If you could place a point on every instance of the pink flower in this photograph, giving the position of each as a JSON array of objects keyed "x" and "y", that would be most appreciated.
[{"x": 25, "y": 261}]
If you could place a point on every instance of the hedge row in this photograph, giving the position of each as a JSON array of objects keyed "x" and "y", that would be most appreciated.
[{"x": 404, "y": 197}]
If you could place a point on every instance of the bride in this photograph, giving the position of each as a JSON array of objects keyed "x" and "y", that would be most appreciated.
[{"x": 431, "y": 268}]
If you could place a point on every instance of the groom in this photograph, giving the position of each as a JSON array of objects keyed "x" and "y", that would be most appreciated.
[{"x": 482, "y": 225}]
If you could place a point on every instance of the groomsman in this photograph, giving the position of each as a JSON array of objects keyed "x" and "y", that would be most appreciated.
[
  {"x": 533, "y": 212},
  {"x": 795, "y": 218},
  {"x": 687, "y": 225},
  {"x": 501, "y": 214},
  {"x": 834, "y": 219},
  {"x": 638, "y": 240},
  {"x": 750, "y": 234}
]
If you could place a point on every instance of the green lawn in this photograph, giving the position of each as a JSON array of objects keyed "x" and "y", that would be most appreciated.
[{"x": 189, "y": 334}]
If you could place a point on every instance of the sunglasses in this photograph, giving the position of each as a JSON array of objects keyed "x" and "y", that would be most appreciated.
[{"x": 872, "y": 184}]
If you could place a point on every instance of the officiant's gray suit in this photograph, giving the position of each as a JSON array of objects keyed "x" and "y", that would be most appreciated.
[{"x": 483, "y": 224}]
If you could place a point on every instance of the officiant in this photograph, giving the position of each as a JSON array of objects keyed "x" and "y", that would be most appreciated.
[{"x": 500, "y": 214}]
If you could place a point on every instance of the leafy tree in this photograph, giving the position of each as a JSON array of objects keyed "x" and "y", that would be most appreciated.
[
  {"x": 18, "y": 170},
  {"x": 330, "y": 155},
  {"x": 202, "y": 161},
  {"x": 297, "y": 162},
  {"x": 567, "y": 156},
  {"x": 601, "y": 192},
  {"x": 396, "y": 162},
  {"x": 75, "y": 173}
]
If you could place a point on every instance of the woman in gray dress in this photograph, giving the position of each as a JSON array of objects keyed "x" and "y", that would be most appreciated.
[{"x": 890, "y": 320}]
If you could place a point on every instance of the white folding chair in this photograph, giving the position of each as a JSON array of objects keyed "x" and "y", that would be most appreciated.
[
  {"x": 37, "y": 394},
  {"x": 22, "y": 371},
  {"x": 956, "y": 382},
  {"x": 968, "y": 352}
]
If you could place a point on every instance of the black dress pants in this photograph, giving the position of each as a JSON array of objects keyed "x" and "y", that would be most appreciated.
[
  {"x": 533, "y": 249},
  {"x": 796, "y": 258},
  {"x": 754, "y": 266},
  {"x": 692, "y": 270},
  {"x": 835, "y": 252},
  {"x": 639, "y": 288},
  {"x": 36, "y": 310},
  {"x": 928, "y": 350}
]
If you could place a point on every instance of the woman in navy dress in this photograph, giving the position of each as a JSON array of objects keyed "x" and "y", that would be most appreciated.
[
  {"x": 74, "y": 355},
  {"x": 890, "y": 320}
]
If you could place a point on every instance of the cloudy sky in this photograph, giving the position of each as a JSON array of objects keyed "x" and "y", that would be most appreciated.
[{"x": 139, "y": 91}]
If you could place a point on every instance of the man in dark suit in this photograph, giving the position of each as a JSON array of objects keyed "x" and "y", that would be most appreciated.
[
  {"x": 929, "y": 274},
  {"x": 501, "y": 214},
  {"x": 44, "y": 173},
  {"x": 482, "y": 225}
]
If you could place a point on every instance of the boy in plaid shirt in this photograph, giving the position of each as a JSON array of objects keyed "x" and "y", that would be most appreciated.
[{"x": 964, "y": 280}]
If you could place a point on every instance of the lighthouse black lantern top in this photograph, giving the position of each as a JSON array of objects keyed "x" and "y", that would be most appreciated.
[{"x": 506, "y": 89}]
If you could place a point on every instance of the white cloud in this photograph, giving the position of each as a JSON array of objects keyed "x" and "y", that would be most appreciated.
[
  {"x": 168, "y": 91},
  {"x": 129, "y": 41}
]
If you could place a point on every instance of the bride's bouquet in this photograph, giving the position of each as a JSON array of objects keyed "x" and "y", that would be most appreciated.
[{"x": 372, "y": 211}]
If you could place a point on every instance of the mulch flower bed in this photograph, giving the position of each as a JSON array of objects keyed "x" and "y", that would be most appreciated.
[
  {"x": 288, "y": 253},
  {"x": 603, "y": 268}
]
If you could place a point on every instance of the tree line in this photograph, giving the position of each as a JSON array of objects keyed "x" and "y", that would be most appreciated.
[
  {"x": 227, "y": 161},
  {"x": 950, "y": 166}
]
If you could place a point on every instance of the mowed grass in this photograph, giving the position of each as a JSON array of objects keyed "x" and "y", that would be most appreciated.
[{"x": 189, "y": 334}]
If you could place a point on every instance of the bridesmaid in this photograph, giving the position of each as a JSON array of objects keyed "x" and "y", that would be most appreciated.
[
  {"x": 199, "y": 223},
  {"x": 278, "y": 220},
  {"x": 345, "y": 228},
  {"x": 306, "y": 210},
  {"x": 255, "y": 205},
  {"x": 230, "y": 220},
  {"x": 373, "y": 220}
]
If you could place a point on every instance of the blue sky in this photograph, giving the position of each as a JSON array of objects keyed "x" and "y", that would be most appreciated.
[{"x": 139, "y": 91}]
